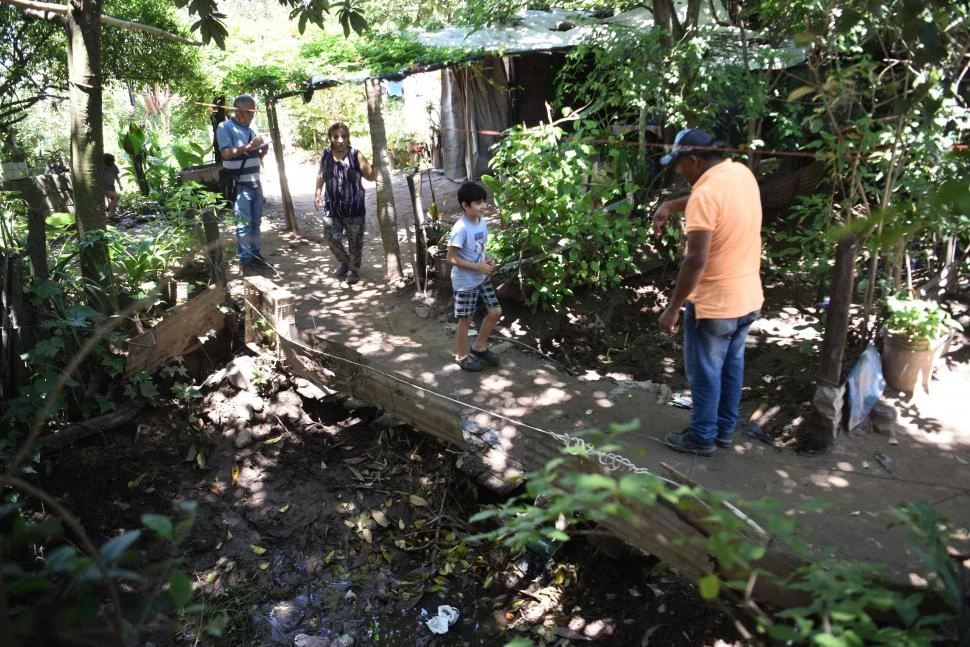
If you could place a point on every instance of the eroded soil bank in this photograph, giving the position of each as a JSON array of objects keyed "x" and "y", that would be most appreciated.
[{"x": 323, "y": 523}]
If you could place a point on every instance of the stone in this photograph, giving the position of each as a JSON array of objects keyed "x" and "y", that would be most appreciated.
[
  {"x": 243, "y": 438},
  {"x": 309, "y": 390},
  {"x": 424, "y": 312},
  {"x": 303, "y": 640},
  {"x": 241, "y": 371}
]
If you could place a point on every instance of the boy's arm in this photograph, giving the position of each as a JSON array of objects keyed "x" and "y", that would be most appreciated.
[{"x": 482, "y": 268}]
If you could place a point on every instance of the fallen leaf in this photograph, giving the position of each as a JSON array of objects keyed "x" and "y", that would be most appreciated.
[
  {"x": 355, "y": 460},
  {"x": 263, "y": 566},
  {"x": 323, "y": 465},
  {"x": 865, "y": 465},
  {"x": 365, "y": 533},
  {"x": 235, "y": 473},
  {"x": 589, "y": 412},
  {"x": 285, "y": 508},
  {"x": 380, "y": 518},
  {"x": 417, "y": 501},
  {"x": 358, "y": 475},
  {"x": 200, "y": 460},
  {"x": 259, "y": 550},
  {"x": 217, "y": 488},
  {"x": 273, "y": 441},
  {"x": 957, "y": 458},
  {"x": 228, "y": 534}
]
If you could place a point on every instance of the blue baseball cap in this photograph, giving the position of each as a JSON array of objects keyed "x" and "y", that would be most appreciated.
[{"x": 688, "y": 141}]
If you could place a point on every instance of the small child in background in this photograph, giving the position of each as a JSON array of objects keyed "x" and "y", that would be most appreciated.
[
  {"x": 470, "y": 279},
  {"x": 111, "y": 172}
]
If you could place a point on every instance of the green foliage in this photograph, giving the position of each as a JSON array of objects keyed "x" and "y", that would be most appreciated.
[
  {"x": 341, "y": 103},
  {"x": 142, "y": 58},
  {"x": 555, "y": 231},
  {"x": 918, "y": 319},
  {"x": 263, "y": 80},
  {"x": 851, "y": 603},
  {"x": 797, "y": 248},
  {"x": 140, "y": 262},
  {"x": 886, "y": 111},
  {"x": 50, "y": 600}
]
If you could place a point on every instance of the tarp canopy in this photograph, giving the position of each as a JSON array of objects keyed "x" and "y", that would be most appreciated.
[
  {"x": 474, "y": 104},
  {"x": 537, "y": 31},
  {"x": 560, "y": 29}
]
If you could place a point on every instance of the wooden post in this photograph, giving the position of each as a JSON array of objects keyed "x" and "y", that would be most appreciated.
[
  {"x": 216, "y": 116},
  {"x": 12, "y": 368},
  {"x": 213, "y": 246},
  {"x": 420, "y": 243},
  {"x": 274, "y": 131},
  {"x": 469, "y": 143},
  {"x": 826, "y": 416}
]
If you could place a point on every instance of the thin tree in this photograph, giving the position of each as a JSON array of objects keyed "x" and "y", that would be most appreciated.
[{"x": 386, "y": 211}]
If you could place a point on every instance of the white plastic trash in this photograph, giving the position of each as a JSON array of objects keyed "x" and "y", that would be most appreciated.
[{"x": 447, "y": 616}]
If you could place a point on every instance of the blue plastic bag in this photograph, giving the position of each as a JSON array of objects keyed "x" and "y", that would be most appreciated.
[{"x": 865, "y": 386}]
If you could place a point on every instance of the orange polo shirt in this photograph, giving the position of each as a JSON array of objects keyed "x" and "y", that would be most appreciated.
[{"x": 725, "y": 201}]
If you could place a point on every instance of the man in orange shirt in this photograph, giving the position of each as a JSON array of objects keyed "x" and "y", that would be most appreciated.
[{"x": 719, "y": 285}]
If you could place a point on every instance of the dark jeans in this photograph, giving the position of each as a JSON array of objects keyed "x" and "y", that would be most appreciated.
[
  {"x": 249, "y": 218},
  {"x": 714, "y": 363}
]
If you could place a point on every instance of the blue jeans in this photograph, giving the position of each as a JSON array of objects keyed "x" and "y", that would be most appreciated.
[
  {"x": 714, "y": 363},
  {"x": 249, "y": 217}
]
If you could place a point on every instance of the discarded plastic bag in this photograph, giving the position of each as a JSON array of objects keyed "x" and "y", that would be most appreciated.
[
  {"x": 447, "y": 616},
  {"x": 866, "y": 384}
]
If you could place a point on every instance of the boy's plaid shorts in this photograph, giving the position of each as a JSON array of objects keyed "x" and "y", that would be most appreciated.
[{"x": 466, "y": 301}]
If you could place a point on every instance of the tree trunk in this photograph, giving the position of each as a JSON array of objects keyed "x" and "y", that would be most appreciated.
[
  {"x": 386, "y": 213},
  {"x": 826, "y": 416},
  {"x": 87, "y": 149},
  {"x": 286, "y": 198},
  {"x": 663, "y": 17}
]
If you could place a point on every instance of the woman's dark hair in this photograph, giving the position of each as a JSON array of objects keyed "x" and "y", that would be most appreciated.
[
  {"x": 470, "y": 192},
  {"x": 335, "y": 126},
  {"x": 109, "y": 160}
]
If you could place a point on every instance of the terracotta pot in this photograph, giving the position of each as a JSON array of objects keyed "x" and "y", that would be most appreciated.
[{"x": 906, "y": 362}]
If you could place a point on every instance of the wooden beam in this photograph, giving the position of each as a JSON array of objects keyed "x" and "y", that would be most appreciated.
[
  {"x": 674, "y": 534},
  {"x": 177, "y": 334}
]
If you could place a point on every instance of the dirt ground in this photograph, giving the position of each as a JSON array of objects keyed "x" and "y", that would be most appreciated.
[
  {"x": 341, "y": 525},
  {"x": 345, "y": 527}
]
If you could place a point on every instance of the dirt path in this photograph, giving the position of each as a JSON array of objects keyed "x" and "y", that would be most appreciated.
[{"x": 412, "y": 335}]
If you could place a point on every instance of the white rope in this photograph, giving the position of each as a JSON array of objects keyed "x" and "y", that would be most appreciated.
[{"x": 612, "y": 461}]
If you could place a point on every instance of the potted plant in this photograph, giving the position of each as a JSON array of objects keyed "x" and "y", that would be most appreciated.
[{"x": 914, "y": 333}]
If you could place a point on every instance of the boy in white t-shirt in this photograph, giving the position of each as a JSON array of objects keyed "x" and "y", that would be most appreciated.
[{"x": 470, "y": 279}]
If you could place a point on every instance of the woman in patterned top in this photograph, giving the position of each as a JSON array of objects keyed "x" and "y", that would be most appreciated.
[{"x": 341, "y": 194}]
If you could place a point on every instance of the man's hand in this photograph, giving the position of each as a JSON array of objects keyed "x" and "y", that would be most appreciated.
[
  {"x": 486, "y": 267},
  {"x": 668, "y": 319},
  {"x": 317, "y": 201},
  {"x": 660, "y": 218}
]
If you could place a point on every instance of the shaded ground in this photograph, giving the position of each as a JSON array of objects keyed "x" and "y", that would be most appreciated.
[{"x": 342, "y": 525}]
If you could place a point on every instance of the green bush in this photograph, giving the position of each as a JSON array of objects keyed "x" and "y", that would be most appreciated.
[
  {"x": 565, "y": 217},
  {"x": 918, "y": 319}
]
